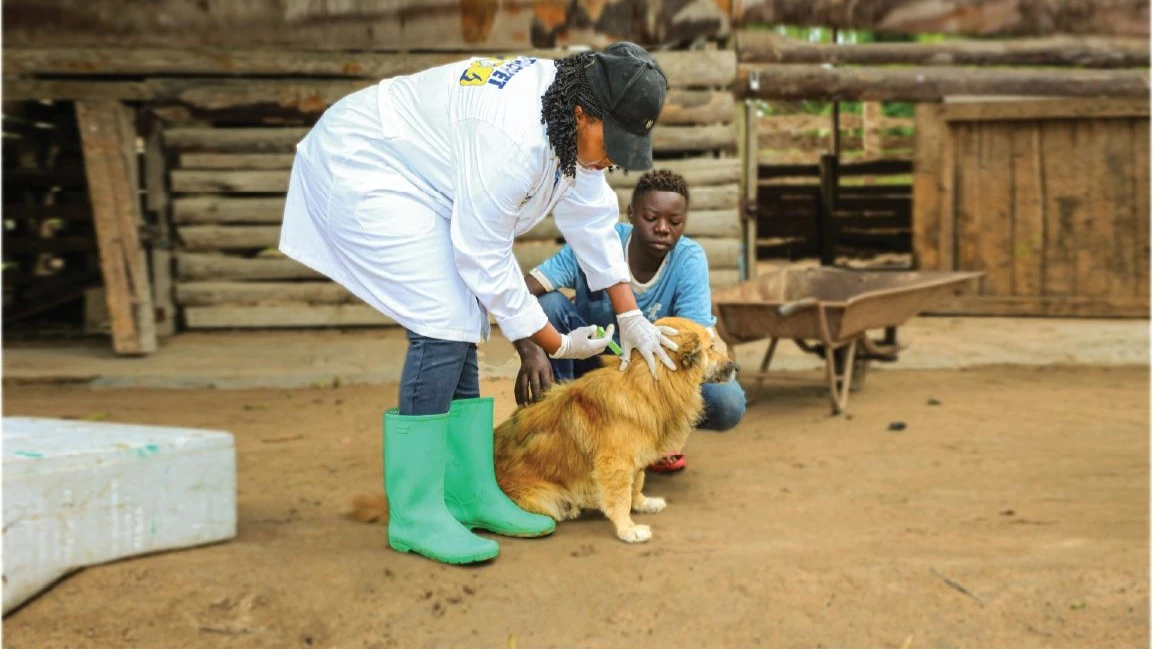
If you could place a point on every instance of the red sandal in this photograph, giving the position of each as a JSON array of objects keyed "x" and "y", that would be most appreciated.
[{"x": 668, "y": 464}]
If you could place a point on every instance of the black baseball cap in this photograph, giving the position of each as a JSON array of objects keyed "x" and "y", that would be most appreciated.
[{"x": 631, "y": 89}]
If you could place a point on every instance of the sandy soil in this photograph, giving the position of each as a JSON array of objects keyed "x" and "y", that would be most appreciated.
[{"x": 1012, "y": 514}]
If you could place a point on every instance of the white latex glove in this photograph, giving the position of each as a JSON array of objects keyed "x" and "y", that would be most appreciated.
[
  {"x": 583, "y": 343},
  {"x": 647, "y": 338}
]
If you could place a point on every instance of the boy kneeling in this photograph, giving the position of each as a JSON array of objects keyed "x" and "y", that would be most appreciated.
[{"x": 670, "y": 277}]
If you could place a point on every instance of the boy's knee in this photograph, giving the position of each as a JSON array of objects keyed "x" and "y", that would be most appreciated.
[
  {"x": 725, "y": 405},
  {"x": 554, "y": 304}
]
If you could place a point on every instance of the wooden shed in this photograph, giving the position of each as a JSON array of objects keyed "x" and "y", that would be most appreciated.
[
  {"x": 1050, "y": 198},
  {"x": 197, "y": 116},
  {"x": 227, "y": 179}
]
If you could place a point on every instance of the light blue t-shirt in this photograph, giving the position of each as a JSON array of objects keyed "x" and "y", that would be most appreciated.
[{"x": 680, "y": 287}]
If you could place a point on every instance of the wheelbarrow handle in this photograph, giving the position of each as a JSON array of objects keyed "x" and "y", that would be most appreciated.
[{"x": 789, "y": 308}]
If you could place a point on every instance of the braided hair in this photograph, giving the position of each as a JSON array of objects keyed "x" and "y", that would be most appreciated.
[
  {"x": 661, "y": 180},
  {"x": 569, "y": 90}
]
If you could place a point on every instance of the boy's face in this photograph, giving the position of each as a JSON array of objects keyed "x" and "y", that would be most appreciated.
[{"x": 658, "y": 220}]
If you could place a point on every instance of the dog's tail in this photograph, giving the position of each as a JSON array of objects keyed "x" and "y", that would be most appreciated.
[{"x": 370, "y": 508}]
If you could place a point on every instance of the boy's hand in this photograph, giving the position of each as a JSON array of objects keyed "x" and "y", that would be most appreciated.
[{"x": 535, "y": 375}]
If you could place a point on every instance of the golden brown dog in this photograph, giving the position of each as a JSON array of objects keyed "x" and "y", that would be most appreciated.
[{"x": 586, "y": 444}]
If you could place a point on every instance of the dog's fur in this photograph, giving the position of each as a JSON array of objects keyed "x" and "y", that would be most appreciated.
[{"x": 586, "y": 444}]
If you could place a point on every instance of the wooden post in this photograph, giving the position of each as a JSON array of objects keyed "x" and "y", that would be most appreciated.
[
  {"x": 750, "y": 212},
  {"x": 110, "y": 164},
  {"x": 160, "y": 250},
  {"x": 871, "y": 116},
  {"x": 826, "y": 227}
]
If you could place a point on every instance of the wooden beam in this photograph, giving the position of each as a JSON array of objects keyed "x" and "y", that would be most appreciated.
[
  {"x": 694, "y": 107},
  {"x": 705, "y": 170},
  {"x": 208, "y": 97},
  {"x": 698, "y": 171},
  {"x": 230, "y": 140},
  {"x": 699, "y": 223},
  {"x": 251, "y": 161},
  {"x": 284, "y": 316},
  {"x": 262, "y": 293},
  {"x": 682, "y": 139},
  {"x": 718, "y": 197},
  {"x": 975, "y": 17},
  {"x": 229, "y": 237},
  {"x": 1084, "y": 52},
  {"x": 928, "y": 84},
  {"x": 721, "y": 253},
  {"x": 666, "y": 139},
  {"x": 1064, "y": 306},
  {"x": 714, "y": 223},
  {"x": 807, "y": 122},
  {"x": 227, "y": 209},
  {"x": 684, "y": 69},
  {"x": 815, "y": 141},
  {"x": 207, "y": 267},
  {"x": 110, "y": 164},
  {"x": 975, "y": 111},
  {"x": 221, "y": 181}
]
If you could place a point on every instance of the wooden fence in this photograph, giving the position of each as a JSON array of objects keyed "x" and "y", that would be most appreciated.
[
  {"x": 801, "y": 137},
  {"x": 1049, "y": 198}
]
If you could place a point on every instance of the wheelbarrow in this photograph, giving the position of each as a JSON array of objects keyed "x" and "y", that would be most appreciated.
[{"x": 828, "y": 312}]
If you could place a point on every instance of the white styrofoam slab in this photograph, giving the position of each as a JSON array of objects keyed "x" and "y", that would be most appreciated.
[{"x": 79, "y": 493}]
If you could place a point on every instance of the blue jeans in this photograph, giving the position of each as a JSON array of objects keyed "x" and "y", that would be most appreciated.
[
  {"x": 436, "y": 372},
  {"x": 724, "y": 402}
]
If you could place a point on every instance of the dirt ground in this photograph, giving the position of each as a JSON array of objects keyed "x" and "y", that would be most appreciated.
[{"x": 1013, "y": 513}]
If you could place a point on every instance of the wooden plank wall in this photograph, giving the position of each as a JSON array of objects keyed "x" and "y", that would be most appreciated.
[
  {"x": 444, "y": 25},
  {"x": 227, "y": 183},
  {"x": 1048, "y": 198}
]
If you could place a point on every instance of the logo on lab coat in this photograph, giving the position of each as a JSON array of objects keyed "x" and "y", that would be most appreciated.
[{"x": 494, "y": 72}]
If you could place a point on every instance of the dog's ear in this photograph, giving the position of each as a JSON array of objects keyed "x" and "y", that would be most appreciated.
[{"x": 690, "y": 350}]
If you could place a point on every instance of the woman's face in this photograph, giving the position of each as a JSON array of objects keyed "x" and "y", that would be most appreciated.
[{"x": 590, "y": 142}]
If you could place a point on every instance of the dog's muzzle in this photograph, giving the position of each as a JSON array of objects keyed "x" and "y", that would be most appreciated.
[{"x": 724, "y": 373}]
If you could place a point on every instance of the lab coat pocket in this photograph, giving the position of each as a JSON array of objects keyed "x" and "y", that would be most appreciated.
[{"x": 389, "y": 214}]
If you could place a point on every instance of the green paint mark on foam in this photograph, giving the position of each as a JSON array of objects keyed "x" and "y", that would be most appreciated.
[
  {"x": 147, "y": 449},
  {"x": 28, "y": 454}
]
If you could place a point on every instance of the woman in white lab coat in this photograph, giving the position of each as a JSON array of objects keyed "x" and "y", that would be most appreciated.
[{"x": 409, "y": 194}]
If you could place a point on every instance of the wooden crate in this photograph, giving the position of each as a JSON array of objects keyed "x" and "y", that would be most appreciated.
[{"x": 1050, "y": 198}]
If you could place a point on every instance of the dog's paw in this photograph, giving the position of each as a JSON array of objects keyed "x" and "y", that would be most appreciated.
[
  {"x": 650, "y": 506},
  {"x": 636, "y": 534}
]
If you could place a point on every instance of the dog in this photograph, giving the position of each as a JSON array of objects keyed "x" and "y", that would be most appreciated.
[{"x": 586, "y": 443}]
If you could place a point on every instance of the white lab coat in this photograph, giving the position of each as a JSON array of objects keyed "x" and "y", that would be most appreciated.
[{"x": 409, "y": 193}]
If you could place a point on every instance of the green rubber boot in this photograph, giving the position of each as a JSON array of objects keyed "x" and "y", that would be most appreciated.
[
  {"x": 418, "y": 521},
  {"x": 470, "y": 488}
]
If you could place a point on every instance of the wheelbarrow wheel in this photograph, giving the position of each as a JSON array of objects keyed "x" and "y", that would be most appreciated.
[{"x": 860, "y": 369}]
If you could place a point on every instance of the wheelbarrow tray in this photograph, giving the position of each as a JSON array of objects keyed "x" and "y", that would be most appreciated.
[
  {"x": 852, "y": 302},
  {"x": 833, "y": 306}
]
